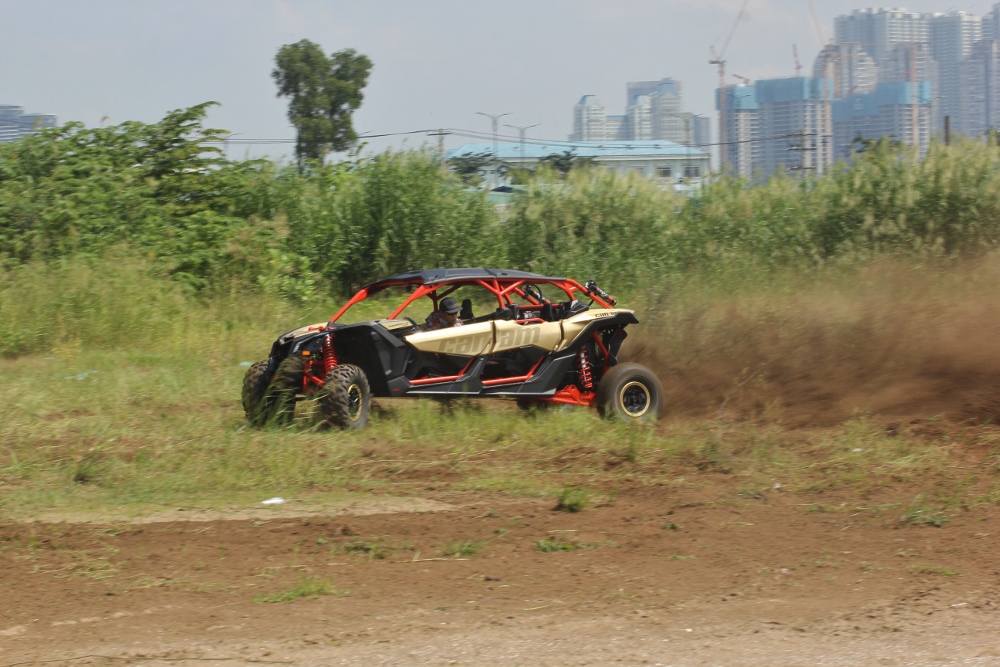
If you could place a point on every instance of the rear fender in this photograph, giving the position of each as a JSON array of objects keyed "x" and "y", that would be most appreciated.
[{"x": 580, "y": 329}]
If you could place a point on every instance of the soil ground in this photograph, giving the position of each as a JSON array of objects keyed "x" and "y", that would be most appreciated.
[{"x": 657, "y": 577}]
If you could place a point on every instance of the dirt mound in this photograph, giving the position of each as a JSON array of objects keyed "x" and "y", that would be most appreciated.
[{"x": 900, "y": 341}]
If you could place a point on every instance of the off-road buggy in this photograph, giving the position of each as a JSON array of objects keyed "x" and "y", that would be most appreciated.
[{"x": 532, "y": 349}]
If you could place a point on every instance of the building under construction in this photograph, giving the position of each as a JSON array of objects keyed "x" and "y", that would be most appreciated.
[{"x": 778, "y": 125}]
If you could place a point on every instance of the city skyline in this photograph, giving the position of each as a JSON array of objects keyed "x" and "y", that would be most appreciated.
[
  {"x": 889, "y": 73},
  {"x": 435, "y": 66}
]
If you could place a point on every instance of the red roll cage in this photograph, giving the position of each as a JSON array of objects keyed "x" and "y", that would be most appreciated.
[{"x": 501, "y": 288}]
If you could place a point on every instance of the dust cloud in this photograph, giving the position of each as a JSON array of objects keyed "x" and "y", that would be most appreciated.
[{"x": 892, "y": 340}]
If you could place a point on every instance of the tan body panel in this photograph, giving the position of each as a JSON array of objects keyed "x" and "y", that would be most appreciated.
[
  {"x": 510, "y": 335},
  {"x": 575, "y": 325},
  {"x": 475, "y": 340},
  {"x": 472, "y": 340}
]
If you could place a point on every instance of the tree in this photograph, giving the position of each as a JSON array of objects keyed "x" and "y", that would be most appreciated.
[
  {"x": 323, "y": 93},
  {"x": 566, "y": 161},
  {"x": 468, "y": 167}
]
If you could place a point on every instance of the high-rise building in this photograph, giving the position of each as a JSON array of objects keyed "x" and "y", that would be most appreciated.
[
  {"x": 905, "y": 47},
  {"x": 702, "y": 131},
  {"x": 742, "y": 148},
  {"x": 14, "y": 123},
  {"x": 640, "y": 118},
  {"x": 794, "y": 124},
  {"x": 851, "y": 69},
  {"x": 589, "y": 120},
  {"x": 778, "y": 125},
  {"x": 952, "y": 37},
  {"x": 978, "y": 89},
  {"x": 654, "y": 111},
  {"x": 616, "y": 128},
  {"x": 877, "y": 29},
  {"x": 899, "y": 110}
]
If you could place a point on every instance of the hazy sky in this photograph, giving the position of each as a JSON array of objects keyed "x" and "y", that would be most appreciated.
[{"x": 437, "y": 62}]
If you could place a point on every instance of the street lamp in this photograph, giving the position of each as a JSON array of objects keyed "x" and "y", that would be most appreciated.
[
  {"x": 495, "y": 118},
  {"x": 522, "y": 131}
]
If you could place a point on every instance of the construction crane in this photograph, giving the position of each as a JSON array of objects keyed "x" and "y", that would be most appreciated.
[
  {"x": 745, "y": 80},
  {"x": 717, "y": 59},
  {"x": 723, "y": 148},
  {"x": 795, "y": 55}
]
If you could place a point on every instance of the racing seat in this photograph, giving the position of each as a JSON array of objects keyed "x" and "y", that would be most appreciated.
[
  {"x": 546, "y": 312},
  {"x": 466, "y": 312}
]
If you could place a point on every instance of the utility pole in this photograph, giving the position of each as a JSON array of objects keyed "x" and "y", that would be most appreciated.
[
  {"x": 522, "y": 131},
  {"x": 440, "y": 134},
  {"x": 495, "y": 118}
]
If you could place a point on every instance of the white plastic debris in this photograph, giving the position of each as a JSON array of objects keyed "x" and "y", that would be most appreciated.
[
  {"x": 857, "y": 450},
  {"x": 688, "y": 630},
  {"x": 273, "y": 501},
  {"x": 246, "y": 363},
  {"x": 82, "y": 376},
  {"x": 776, "y": 486}
]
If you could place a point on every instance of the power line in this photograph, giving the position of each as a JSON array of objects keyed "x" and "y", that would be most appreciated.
[{"x": 474, "y": 134}]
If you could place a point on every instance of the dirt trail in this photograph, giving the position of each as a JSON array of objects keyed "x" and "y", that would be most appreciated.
[{"x": 657, "y": 578}]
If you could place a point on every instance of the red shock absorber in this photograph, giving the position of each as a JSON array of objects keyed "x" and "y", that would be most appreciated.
[
  {"x": 329, "y": 355},
  {"x": 583, "y": 368}
]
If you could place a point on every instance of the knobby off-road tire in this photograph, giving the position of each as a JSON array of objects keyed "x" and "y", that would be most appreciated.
[
  {"x": 254, "y": 390},
  {"x": 271, "y": 400},
  {"x": 285, "y": 384},
  {"x": 631, "y": 392},
  {"x": 346, "y": 399}
]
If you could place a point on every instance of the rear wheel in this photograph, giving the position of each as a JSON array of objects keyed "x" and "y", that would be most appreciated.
[
  {"x": 254, "y": 390},
  {"x": 631, "y": 392},
  {"x": 346, "y": 399}
]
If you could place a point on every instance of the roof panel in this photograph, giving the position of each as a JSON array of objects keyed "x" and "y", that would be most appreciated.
[
  {"x": 432, "y": 276},
  {"x": 595, "y": 149}
]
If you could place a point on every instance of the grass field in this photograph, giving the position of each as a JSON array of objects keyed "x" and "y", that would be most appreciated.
[{"x": 130, "y": 398}]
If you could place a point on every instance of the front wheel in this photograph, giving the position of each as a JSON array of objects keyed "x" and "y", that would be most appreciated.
[
  {"x": 346, "y": 399},
  {"x": 631, "y": 392}
]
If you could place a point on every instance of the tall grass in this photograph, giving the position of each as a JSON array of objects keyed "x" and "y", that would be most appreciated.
[
  {"x": 625, "y": 230},
  {"x": 207, "y": 222},
  {"x": 127, "y": 392}
]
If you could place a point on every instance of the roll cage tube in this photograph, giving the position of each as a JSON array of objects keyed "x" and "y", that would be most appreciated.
[{"x": 501, "y": 289}]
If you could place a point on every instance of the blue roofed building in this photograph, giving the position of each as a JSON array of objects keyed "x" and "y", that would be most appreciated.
[{"x": 674, "y": 165}]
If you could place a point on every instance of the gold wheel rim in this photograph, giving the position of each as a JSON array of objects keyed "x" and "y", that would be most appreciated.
[
  {"x": 634, "y": 411},
  {"x": 355, "y": 401}
]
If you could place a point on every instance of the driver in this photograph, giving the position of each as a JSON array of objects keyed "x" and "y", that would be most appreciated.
[{"x": 444, "y": 317}]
